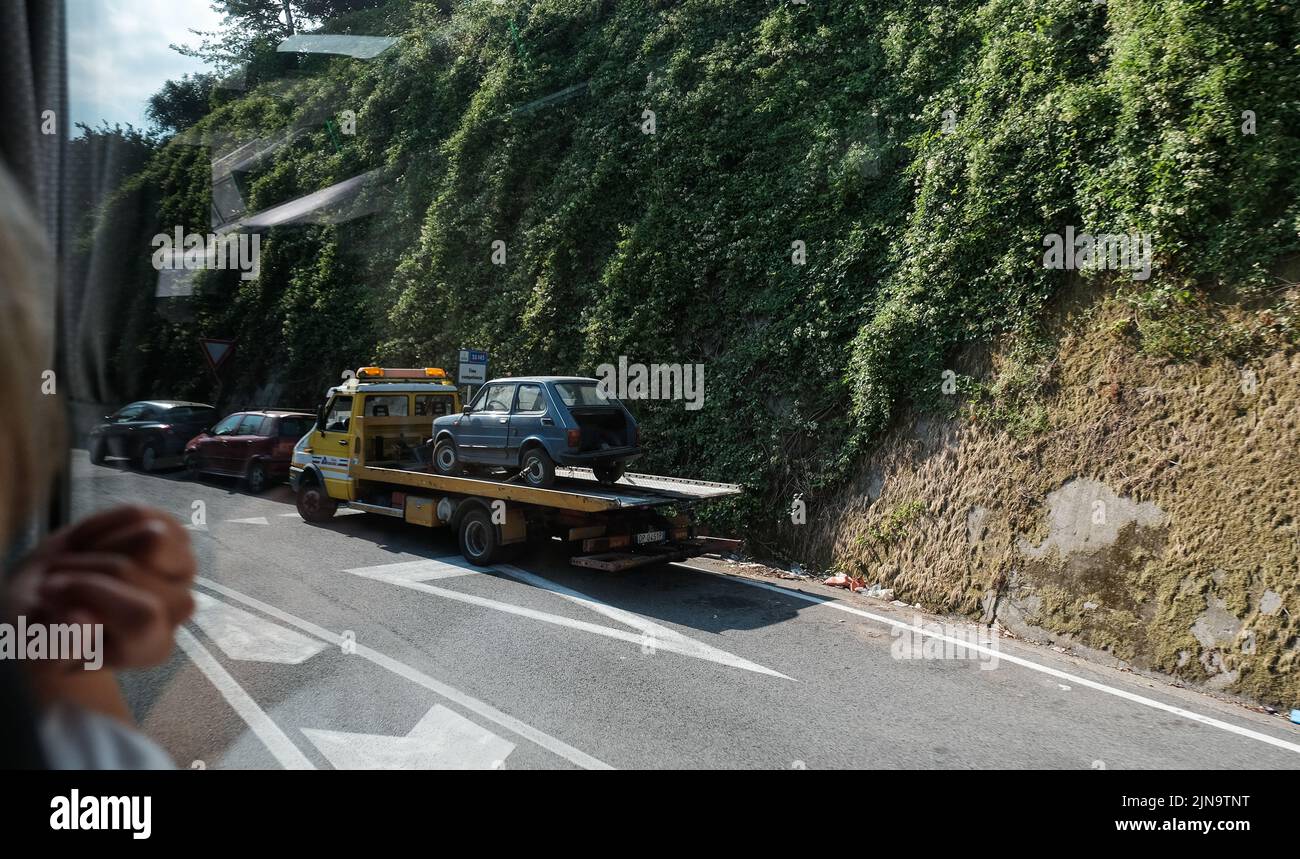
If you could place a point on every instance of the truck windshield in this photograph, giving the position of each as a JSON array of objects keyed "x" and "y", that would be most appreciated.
[{"x": 582, "y": 394}]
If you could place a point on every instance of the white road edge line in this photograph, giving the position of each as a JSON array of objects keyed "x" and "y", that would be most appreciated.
[
  {"x": 277, "y": 742},
  {"x": 487, "y": 711},
  {"x": 1025, "y": 663}
]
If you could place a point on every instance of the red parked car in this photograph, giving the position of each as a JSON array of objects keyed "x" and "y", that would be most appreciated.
[{"x": 254, "y": 446}]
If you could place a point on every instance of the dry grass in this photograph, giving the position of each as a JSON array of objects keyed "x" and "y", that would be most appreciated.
[{"x": 1222, "y": 460}]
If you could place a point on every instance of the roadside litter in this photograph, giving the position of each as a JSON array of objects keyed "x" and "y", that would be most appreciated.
[
  {"x": 1295, "y": 717},
  {"x": 853, "y": 583}
]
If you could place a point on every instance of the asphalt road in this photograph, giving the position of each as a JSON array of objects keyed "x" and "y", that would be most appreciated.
[{"x": 366, "y": 642}]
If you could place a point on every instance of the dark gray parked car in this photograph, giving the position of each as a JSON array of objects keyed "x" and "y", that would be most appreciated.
[
  {"x": 532, "y": 423},
  {"x": 150, "y": 432}
]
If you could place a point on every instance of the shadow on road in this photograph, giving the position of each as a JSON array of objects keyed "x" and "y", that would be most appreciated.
[{"x": 671, "y": 592}]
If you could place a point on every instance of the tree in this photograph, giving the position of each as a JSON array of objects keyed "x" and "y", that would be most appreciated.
[
  {"x": 180, "y": 104},
  {"x": 250, "y": 29}
]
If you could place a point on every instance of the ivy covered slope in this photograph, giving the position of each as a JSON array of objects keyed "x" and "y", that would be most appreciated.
[{"x": 773, "y": 124}]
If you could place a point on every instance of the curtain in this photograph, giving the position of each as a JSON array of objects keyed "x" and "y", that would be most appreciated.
[{"x": 33, "y": 105}]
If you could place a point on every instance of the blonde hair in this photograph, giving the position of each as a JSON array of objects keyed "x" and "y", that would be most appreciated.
[{"x": 31, "y": 431}]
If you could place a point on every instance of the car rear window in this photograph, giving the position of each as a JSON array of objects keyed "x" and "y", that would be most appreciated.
[
  {"x": 433, "y": 405},
  {"x": 582, "y": 394},
  {"x": 294, "y": 427},
  {"x": 388, "y": 406}
]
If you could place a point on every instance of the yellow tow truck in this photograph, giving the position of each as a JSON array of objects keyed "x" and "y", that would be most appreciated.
[{"x": 371, "y": 450}]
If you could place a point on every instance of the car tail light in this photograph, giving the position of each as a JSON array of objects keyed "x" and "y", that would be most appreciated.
[{"x": 574, "y": 437}]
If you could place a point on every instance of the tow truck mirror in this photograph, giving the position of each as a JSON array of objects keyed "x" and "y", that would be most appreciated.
[
  {"x": 320, "y": 417},
  {"x": 467, "y": 409}
]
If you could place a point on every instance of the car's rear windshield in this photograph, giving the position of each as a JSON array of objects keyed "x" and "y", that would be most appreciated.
[{"x": 582, "y": 394}]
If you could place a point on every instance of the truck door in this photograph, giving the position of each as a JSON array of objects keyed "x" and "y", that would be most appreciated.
[
  {"x": 489, "y": 424},
  {"x": 331, "y": 449}
]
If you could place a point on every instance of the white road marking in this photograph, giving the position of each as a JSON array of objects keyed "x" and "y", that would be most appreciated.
[
  {"x": 487, "y": 711},
  {"x": 415, "y": 571},
  {"x": 245, "y": 636},
  {"x": 253, "y": 520},
  {"x": 275, "y": 740},
  {"x": 1017, "y": 660},
  {"x": 657, "y": 633},
  {"x": 677, "y": 644},
  {"x": 442, "y": 740}
]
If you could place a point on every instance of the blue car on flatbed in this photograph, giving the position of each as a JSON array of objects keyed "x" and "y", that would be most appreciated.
[{"x": 531, "y": 424}]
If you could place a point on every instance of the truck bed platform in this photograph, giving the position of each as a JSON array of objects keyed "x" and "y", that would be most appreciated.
[{"x": 574, "y": 489}]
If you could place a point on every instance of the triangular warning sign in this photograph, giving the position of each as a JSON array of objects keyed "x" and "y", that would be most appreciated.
[{"x": 216, "y": 351}]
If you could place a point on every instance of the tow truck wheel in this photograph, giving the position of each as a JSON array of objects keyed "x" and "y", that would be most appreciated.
[
  {"x": 446, "y": 459},
  {"x": 537, "y": 467},
  {"x": 314, "y": 504},
  {"x": 478, "y": 538},
  {"x": 608, "y": 473}
]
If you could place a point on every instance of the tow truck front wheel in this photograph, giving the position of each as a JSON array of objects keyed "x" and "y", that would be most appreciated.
[
  {"x": 314, "y": 503},
  {"x": 479, "y": 542}
]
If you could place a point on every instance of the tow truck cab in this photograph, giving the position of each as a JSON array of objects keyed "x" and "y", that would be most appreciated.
[{"x": 394, "y": 407}]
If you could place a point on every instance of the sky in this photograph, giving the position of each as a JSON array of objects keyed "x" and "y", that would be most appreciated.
[{"x": 119, "y": 54}]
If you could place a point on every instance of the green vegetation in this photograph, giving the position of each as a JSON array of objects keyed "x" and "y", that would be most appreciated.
[{"x": 774, "y": 123}]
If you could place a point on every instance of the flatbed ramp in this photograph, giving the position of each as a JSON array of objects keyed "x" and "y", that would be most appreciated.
[{"x": 574, "y": 489}]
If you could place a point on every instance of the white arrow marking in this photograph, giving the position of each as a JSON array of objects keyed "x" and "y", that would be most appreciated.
[
  {"x": 254, "y": 520},
  {"x": 442, "y": 740},
  {"x": 401, "y": 669},
  {"x": 245, "y": 636},
  {"x": 275, "y": 740},
  {"x": 415, "y": 571},
  {"x": 673, "y": 642},
  {"x": 657, "y": 633}
]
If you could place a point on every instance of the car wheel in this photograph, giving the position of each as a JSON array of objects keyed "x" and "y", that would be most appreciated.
[
  {"x": 446, "y": 459},
  {"x": 537, "y": 467},
  {"x": 149, "y": 455},
  {"x": 98, "y": 452},
  {"x": 193, "y": 468},
  {"x": 609, "y": 473},
  {"x": 314, "y": 503},
  {"x": 255, "y": 479},
  {"x": 478, "y": 538}
]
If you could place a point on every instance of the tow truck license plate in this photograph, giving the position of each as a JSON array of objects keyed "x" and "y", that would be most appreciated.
[{"x": 649, "y": 537}]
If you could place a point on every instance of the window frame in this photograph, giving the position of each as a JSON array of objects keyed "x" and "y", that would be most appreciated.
[
  {"x": 330, "y": 408},
  {"x": 238, "y": 417},
  {"x": 541, "y": 398},
  {"x": 510, "y": 398}
]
